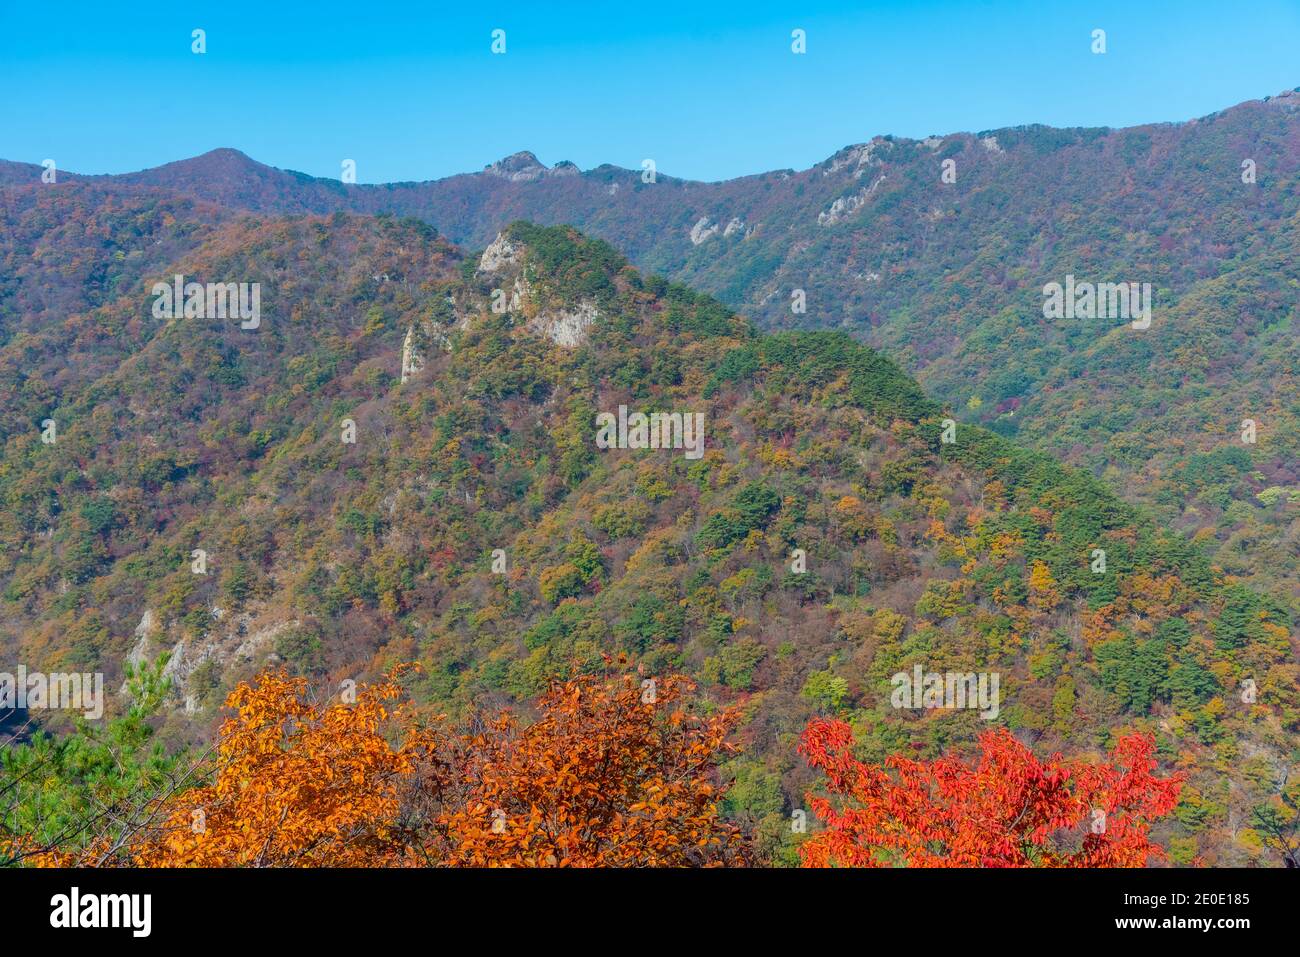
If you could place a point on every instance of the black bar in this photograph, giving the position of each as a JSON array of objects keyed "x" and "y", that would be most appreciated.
[{"x": 381, "y": 907}]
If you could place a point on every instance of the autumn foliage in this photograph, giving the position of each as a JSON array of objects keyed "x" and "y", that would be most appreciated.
[
  {"x": 297, "y": 784},
  {"x": 612, "y": 773},
  {"x": 1007, "y": 810}
]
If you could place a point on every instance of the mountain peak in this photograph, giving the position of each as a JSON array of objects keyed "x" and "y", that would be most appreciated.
[
  {"x": 1288, "y": 99},
  {"x": 225, "y": 154},
  {"x": 215, "y": 165},
  {"x": 518, "y": 167},
  {"x": 222, "y": 158}
]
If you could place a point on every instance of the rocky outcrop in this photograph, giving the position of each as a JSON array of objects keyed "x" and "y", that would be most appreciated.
[
  {"x": 232, "y": 640},
  {"x": 704, "y": 229},
  {"x": 412, "y": 361},
  {"x": 144, "y": 649},
  {"x": 521, "y": 167},
  {"x": 567, "y": 328},
  {"x": 846, "y": 206},
  {"x": 1288, "y": 100},
  {"x": 524, "y": 167},
  {"x": 500, "y": 254},
  {"x": 856, "y": 158}
]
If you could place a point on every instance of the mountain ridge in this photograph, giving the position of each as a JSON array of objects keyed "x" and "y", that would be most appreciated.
[{"x": 236, "y": 160}]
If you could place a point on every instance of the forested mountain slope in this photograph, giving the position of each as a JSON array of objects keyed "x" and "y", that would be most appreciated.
[
  {"x": 400, "y": 463},
  {"x": 945, "y": 274}
]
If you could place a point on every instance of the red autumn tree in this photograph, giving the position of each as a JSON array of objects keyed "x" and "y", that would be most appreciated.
[{"x": 1008, "y": 810}]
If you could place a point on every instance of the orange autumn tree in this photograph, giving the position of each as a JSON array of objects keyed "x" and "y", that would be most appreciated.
[
  {"x": 1008, "y": 810},
  {"x": 614, "y": 773},
  {"x": 610, "y": 773},
  {"x": 297, "y": 784}
]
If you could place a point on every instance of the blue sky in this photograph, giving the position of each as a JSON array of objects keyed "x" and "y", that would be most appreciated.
[{"x": 412, "y": 90}]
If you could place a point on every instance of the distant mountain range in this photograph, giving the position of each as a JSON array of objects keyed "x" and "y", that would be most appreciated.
[{"x": 945, "y": 276}]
